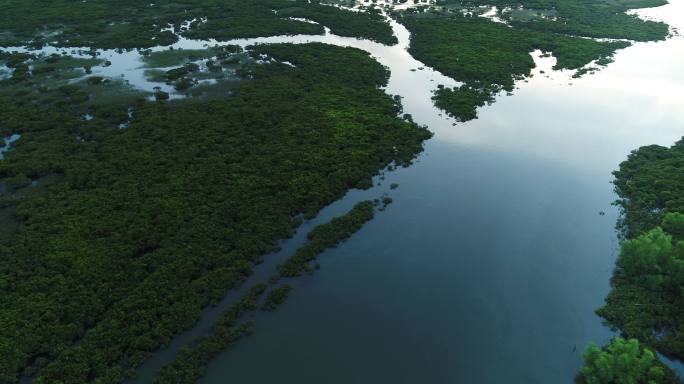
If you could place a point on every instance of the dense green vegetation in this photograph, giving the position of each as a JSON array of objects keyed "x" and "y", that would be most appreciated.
[
  {"x": 649, "y": 184},
  {"x": 647, "y": 300},
  {"x": 370, "y": 25},
  {"x": 136, "y": 24},
  {"x": 147, "y": 225},
  {"x": 588, "y": 18},
  {"x": 326, "y": 236},
  {"x": 623, "y": 362},
  {"x": 462, "y": 102},
  {"x": 190, "y": 362}
]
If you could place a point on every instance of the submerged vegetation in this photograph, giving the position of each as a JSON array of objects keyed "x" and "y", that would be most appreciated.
[
  {"x": 326, "y": 236},
  {"x": 155, "y": 221},
  {"x": 190, "y": 362},
  {"x": 276, "y": 297}
]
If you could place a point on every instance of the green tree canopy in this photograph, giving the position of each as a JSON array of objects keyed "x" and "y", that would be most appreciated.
[{"x": 623, "y": 362}]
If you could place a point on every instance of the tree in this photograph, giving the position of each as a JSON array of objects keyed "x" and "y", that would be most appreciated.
[{"x": 623, "y": 362}]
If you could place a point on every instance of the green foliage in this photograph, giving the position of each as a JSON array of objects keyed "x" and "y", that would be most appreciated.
[
  {"x": 326, "y": 236},
  {"x": 673, "y": 223},
  {"x": 647, "y": 297},
  {"x": 462, "y": 102},
  {"x": 649, "y": 184},
  {"x": 588, "y": 18},
  {"x": 154, "y": 222},
  {"x": 189, "y": 364},
  {"x": 647, "y": 300},
  {"x": 600, "y": 19},
  {"x": 369, "y": 25},
  {"x": 276, "y": 297},
  {"x": 623, "y": 362},
  {"x": 136, "y": 24}
]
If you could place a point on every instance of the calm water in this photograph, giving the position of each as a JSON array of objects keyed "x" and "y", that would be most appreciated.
[{"x": 490, "y": 263}]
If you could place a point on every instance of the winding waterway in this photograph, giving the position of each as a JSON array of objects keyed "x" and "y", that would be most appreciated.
[{"x": 488, "y": 266}]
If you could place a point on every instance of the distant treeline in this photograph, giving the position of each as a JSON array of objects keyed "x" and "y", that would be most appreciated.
[{"x": 139, "y": 24}]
